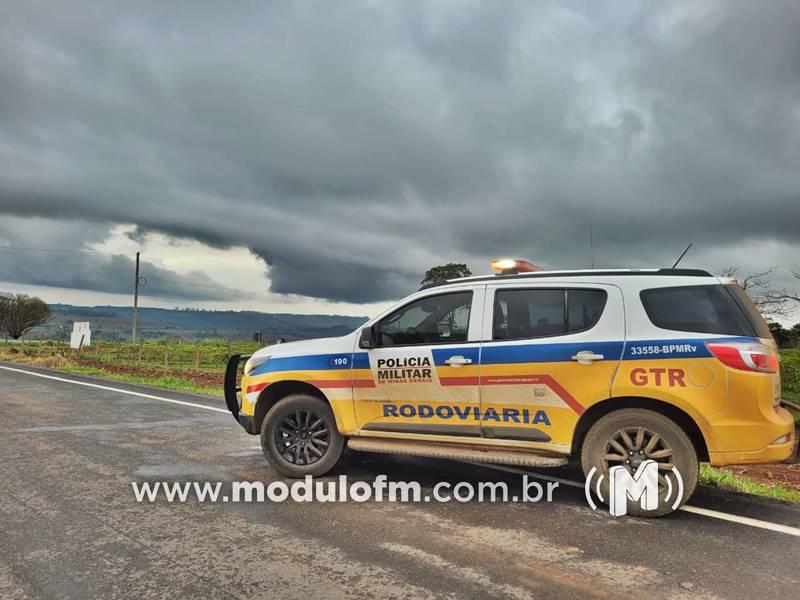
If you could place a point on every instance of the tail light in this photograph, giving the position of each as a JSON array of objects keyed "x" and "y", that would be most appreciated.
[{"x": 745, "y": 356}]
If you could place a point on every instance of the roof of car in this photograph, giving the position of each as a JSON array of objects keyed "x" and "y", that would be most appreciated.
[{"x": 573, "y": 273}]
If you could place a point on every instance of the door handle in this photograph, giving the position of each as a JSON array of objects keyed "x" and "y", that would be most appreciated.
[
  {"x": 587, "y": 357},
  {"x": 458, "y": 361}
]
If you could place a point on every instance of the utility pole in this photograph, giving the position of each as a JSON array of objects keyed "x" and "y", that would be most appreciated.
[{"x": 135, "y": 299}]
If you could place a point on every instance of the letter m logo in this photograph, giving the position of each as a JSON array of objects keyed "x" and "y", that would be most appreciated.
[{"x": 641, "y": 486}]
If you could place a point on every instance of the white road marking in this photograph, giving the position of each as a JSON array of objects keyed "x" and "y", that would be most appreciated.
[
  {"x": 706, "y": 512},
  {"x": 715, "y": 514},
  {"x": 568, "y": 482},
  {"x": 113, "y": 389},
  {"x": 697, "y": 510}
]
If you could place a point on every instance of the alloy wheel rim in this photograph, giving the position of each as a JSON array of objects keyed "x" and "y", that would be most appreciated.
[
  {"x": 630, "y": 446},
  {"x": 302, "y": 437}
]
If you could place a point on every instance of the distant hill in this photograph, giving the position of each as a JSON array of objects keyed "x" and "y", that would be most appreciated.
[{"x": 114, "y": 322}]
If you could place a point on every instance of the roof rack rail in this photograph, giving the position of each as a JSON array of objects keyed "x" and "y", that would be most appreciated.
[{"x": 584, "y": 273}]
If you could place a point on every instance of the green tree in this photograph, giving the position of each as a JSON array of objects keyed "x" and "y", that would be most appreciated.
[
  {"x": 21, "y": 313},
  {"x": 794, "y": 334},
  {"x": 445, "y": 272},
  {"x": 5, "y": 303},
  {"x": 782, "y": 336}
]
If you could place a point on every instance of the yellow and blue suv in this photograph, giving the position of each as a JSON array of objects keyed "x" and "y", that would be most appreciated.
[{"x": 530, "y": 367}]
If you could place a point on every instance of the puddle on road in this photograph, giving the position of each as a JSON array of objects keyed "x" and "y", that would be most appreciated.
[
  {"x": 241, "y": 453},
  {"x": 183, "y": 469},
  {"x": 183, "y": 422}
]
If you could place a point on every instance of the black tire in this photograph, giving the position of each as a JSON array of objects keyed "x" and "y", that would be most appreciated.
[
  {"x": 670, "y": 446},
  {"x": 299, "y": 437}
]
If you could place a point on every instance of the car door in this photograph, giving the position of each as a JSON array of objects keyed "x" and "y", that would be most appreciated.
[
  {"x": 425, "y": 368},
  {"x": 549, "y": 353}
]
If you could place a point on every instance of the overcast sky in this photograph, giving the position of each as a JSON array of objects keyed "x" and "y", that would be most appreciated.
[{"x": 320, "y": 156}]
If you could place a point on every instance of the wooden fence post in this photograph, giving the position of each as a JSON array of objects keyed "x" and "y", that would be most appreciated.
[
  {"x": 139, "y": 354},
  {"x": 166, "y": 353},
  {"x": 197, "y": 357}
]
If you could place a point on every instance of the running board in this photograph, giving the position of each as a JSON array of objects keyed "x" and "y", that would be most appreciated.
[{"x": 456, "y": 452}]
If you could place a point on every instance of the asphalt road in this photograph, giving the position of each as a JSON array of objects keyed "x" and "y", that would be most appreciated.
[{"x": 70, "y": 526}]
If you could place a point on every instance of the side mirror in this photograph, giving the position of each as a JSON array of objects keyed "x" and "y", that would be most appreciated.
[{"x": 367, "y": 339}]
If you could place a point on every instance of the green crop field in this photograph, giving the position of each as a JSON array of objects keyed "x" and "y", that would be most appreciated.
[
  {"x": 186, "y": 366},
  {"x": 168, "y": 354}
]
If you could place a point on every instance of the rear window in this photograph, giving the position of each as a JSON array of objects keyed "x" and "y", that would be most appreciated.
[{"x": 697, "y": 308}]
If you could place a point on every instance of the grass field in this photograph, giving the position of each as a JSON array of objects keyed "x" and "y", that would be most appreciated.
[
  {"x": 726, "y": 480},
  {"x": 188, "y": 366}
]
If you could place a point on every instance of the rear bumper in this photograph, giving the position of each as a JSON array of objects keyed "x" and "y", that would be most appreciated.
[{"x": 779, "y": 429}]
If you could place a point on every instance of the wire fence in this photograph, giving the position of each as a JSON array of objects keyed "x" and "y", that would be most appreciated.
[{"x": 164, "y": 354}]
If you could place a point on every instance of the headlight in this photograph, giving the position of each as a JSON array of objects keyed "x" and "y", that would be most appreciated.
[{"x": 254, "y": 362}]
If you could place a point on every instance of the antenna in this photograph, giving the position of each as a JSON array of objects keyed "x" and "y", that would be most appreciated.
[
  {"x": 591, "y": 244},
  {"x": 682, "y": 255}
]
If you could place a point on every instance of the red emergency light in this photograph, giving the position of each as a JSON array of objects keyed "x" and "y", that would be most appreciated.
[{"x": 512, "y": 266}]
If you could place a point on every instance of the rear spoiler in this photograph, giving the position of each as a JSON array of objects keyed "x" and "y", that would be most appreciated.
[{"x": 233, "y": 390}]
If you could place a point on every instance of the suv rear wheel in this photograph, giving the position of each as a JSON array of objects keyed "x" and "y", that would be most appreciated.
[
  {"x": 627, "y": 437},
  {"x": 299, "y": 436}
]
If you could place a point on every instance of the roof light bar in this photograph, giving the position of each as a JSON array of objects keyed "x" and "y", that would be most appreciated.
[{"x": 512, "y": 266}]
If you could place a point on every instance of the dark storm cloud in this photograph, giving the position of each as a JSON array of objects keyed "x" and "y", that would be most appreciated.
[
  {"x": 353, "y": 145},
  {"x": 91, "y": 271}
]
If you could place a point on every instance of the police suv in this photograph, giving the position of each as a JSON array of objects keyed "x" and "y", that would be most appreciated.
[{"x": 529, "y": 367}]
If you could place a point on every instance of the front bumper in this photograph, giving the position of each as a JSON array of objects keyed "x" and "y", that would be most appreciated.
[
  {"x": 233, "y": 393},
  {"x": 248, "y": 423}
]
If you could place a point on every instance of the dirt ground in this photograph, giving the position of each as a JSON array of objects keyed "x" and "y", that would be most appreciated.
[
  {"x": 787, "y": 475},
  {"x": 199, "y": 378}
]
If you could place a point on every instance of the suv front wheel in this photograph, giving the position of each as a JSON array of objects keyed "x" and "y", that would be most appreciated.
[
  {"x": 299, "y": 436},
  {"x": 626, "y": 438}
]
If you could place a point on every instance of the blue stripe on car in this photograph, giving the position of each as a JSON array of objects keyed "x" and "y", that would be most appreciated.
[{"x": 493, "y": 353}]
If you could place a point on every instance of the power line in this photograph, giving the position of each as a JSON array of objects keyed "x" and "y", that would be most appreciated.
[
  {"x": 99, "y": 252},
  {"x": 68, "y": 251},
  {"x": 60, "y": 250},
  {"x": 200, "y": 285}
]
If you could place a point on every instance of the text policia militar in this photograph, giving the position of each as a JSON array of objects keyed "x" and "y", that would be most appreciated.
[{"x": 405, "y": 368}]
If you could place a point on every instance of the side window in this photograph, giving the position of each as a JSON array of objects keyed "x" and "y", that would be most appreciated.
[
  {"x": 528, "y": 313},
  {"x": 533, "y": 313},
  {"x": 431, "y": 320},
  {"x": 584, "y": 308}
]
